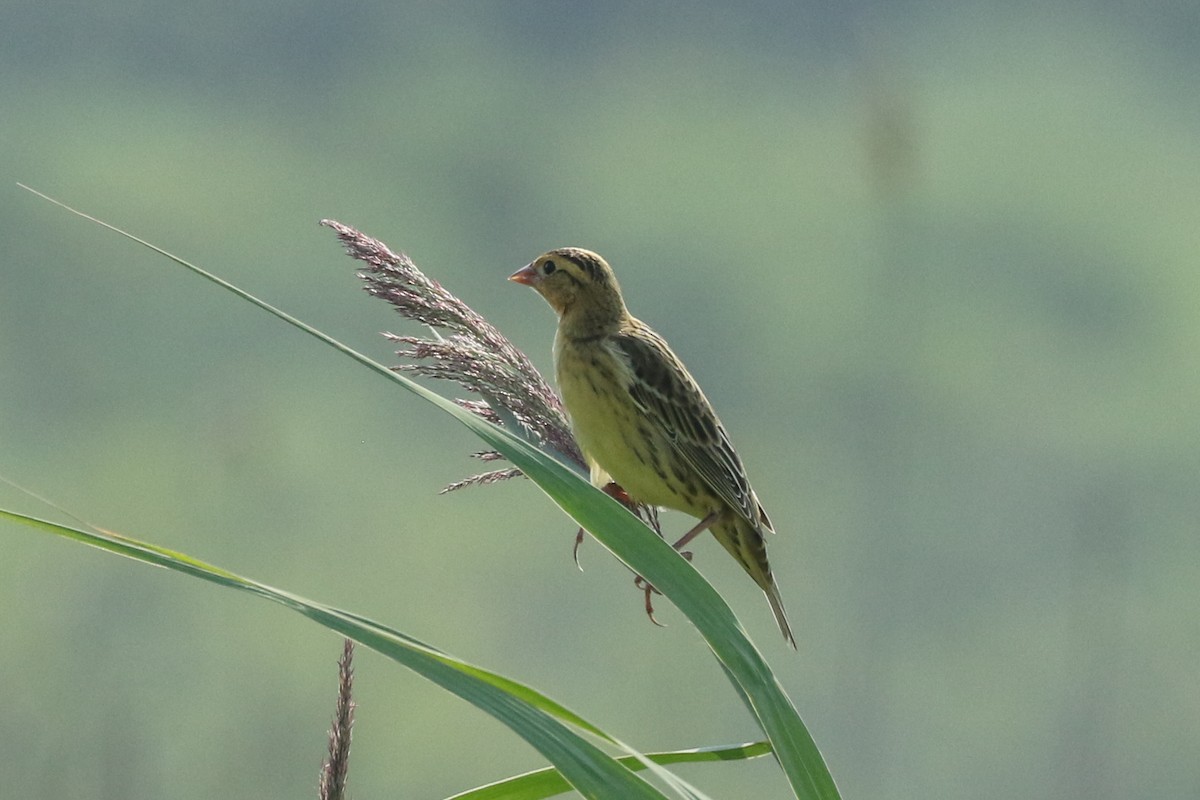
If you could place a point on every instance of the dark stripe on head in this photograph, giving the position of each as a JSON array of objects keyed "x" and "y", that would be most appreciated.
[{"x": 587, "y": 261}]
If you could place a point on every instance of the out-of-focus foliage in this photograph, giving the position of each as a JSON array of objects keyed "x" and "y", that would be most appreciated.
[{"x": 934, "y": 264}]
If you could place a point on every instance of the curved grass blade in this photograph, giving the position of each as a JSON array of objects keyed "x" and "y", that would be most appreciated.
[
  {"x": 628, "y": 539},
  {"x": 536, "y": 718},
  {"x": 548, "y": 782}
]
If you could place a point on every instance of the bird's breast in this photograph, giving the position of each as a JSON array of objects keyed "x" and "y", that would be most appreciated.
[{"x": 614, "y": 433}]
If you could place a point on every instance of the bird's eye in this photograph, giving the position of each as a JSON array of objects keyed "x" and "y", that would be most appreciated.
[{"x": 548, "y": 268}]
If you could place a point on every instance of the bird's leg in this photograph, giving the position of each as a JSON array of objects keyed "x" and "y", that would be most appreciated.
[
  {"x": 613, "y": 490},
  {"x": 700, "y": 528},
  {"x": 648, "y": 587}
]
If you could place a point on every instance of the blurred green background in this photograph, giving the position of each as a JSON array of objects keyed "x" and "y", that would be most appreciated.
[{"x": 935, "y": 264}]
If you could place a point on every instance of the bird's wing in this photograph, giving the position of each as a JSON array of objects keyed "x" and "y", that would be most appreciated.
[{"x": 669, "y": 396}]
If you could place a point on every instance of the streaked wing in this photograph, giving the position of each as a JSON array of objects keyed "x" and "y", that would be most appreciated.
[{"x": 669, "y": 396}]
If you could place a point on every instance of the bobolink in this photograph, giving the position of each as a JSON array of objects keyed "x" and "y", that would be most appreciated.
[{"x": 641, "y": 419}]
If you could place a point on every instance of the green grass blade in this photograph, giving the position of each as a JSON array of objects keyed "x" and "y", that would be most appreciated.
[
  {"x": 630, "y": 541},
  {"x": 535, "y": 717},
  {"x": 549, "y": 782}
]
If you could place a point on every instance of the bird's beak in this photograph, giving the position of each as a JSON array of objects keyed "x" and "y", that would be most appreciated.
[{"x": 526, "y": 275}]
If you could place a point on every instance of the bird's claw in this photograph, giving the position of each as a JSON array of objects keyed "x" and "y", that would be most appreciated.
[
  {"x": 615, "y": 491},
  {"x": 648, "y": 589},
  {"x": 575, "y": 552},
  {"x": 620, "y": 495}
]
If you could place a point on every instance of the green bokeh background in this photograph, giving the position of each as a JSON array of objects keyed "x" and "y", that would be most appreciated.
[{"x": 935, "y": 264}]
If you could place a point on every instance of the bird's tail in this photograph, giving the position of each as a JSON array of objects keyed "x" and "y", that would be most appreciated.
[
  {"x": 772, "y": 592},
  {"x": 745, "y": 542}
]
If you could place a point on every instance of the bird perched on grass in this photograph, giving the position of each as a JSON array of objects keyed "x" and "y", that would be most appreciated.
[{"x": 641, "y": 419}]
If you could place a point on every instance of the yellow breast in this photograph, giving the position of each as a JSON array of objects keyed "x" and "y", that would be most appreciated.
[{"x": 616, "y": 437}]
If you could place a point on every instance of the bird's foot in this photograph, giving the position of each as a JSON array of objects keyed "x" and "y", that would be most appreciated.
[
  {"x": 613, "y": 490},
  {"x": 649, "y": 591},
  {"x": 575, "y": 551}
]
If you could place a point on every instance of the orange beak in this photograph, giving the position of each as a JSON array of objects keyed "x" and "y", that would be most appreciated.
[{"x": 526, "y": 275}]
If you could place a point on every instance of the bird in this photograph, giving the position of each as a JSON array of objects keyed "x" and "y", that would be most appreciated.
[{"x": 641, "y": 419}]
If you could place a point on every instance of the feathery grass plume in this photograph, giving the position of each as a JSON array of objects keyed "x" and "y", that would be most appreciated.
[
  {"x": 336, "y": 769},
  {"x": 475, "y": 355}
]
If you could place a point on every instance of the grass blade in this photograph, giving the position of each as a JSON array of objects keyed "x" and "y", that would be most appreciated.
[
  {"x": 628, "y": 539},
  {"x": 539, "y": 720},
  {"x": 548, "y": 782}
]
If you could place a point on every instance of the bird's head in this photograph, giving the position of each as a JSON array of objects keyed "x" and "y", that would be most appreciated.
[{"x": 579, "y": 285}]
